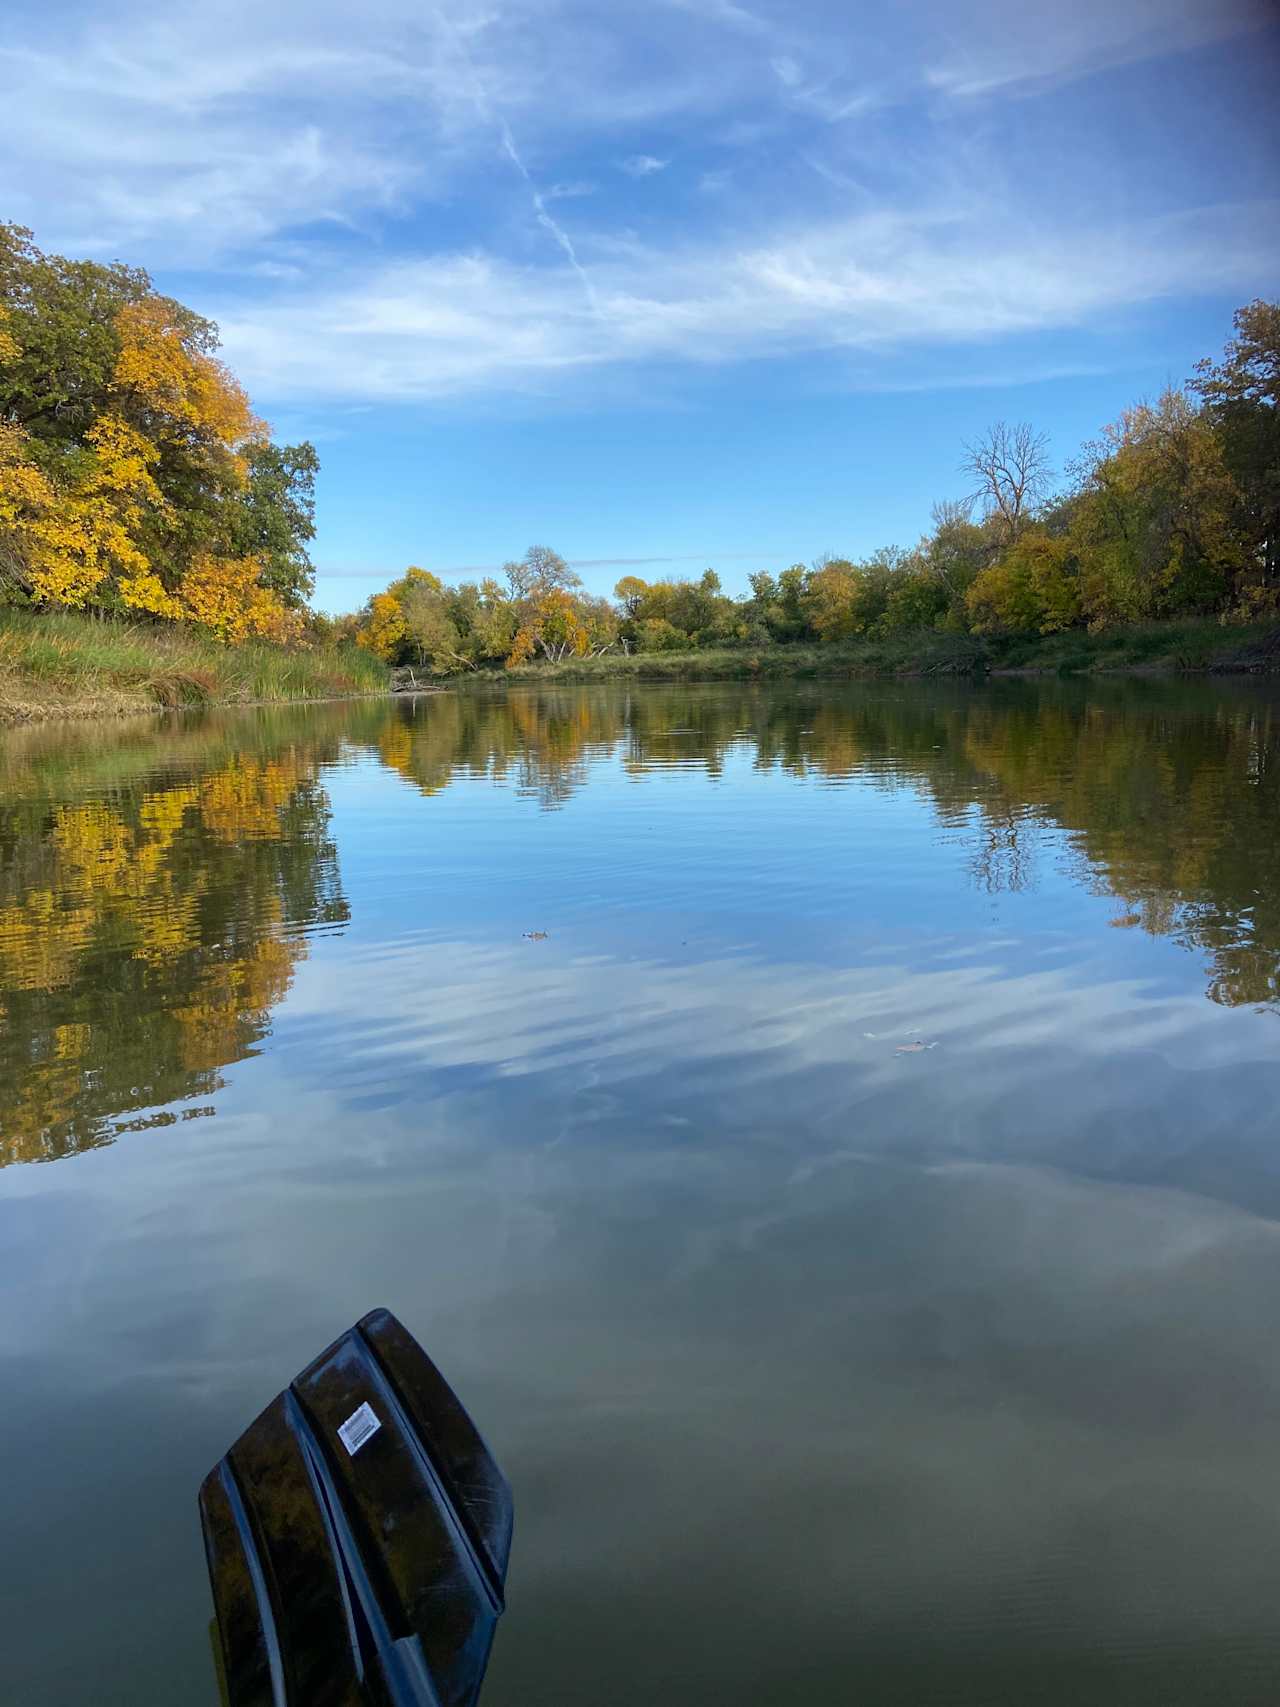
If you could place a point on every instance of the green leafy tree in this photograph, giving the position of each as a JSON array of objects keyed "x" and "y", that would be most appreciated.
[
  {"x": 675, "y": 615},
  {"x": 275, "y": 517},
  {"x": 60, "y": 320},
  {"x": 1032, "y": 588},
  {"x": 917, "y": 600},
  {"x": 431, "y": 632},
  {"x": 1154, "y": 522},
  {"x": 1242, "y": 395}
]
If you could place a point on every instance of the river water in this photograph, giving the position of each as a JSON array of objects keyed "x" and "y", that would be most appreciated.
[{"x": 830, "y": 1136}]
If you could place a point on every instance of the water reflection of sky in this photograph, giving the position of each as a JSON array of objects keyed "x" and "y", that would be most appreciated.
[{"x": 822, "y": 1371}]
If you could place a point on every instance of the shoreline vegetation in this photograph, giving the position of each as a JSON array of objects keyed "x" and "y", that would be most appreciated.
[
  {"x": 153, "y": 533},
  {"x": 1194, "y": 646},
  {"x": 70, "y": 665},
  {"x": 154, "y": 543},
  {"x": 73, "y": 666}
]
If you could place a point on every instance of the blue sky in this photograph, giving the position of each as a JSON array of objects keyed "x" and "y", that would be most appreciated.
[{"x": 681, "y": 281}]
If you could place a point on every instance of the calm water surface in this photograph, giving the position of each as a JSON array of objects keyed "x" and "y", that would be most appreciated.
[{"x": 855, "y": 1222}]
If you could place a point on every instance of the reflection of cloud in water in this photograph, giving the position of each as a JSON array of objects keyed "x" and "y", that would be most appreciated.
[
  {"x": 927, "y": 1425},
  {"x": 1076, "y": 1064},
  {"x": 989, "y": 1418}
]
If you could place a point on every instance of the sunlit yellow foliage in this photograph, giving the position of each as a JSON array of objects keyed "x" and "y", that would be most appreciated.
[
  {"x": 275, "y": 621},
  {"x": 225, "y": 596},
  {"x": 385, "y": 627},
  {"x": 27, "y": 501},
  {"x": 1156, "y": 522},
  {"x": 40, "y": 941},
  {"x": 522, "y": 647},
  {"x": 554, "y": 626},
  {"x": 10, "y": 349},
  {"x": 145, "y": 591},
  {"x": 243, "y": 802},
  {"x": 157, "y": 367},
  {"x": 1033, "y": 588},
  {"x": 66, "y": 542}
]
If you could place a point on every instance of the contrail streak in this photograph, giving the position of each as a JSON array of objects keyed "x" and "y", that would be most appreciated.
[
  {"x": 484, "y": 107},
  {"x": 557, "y": 231}
]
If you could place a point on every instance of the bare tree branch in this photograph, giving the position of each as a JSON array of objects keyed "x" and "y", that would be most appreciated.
[{"x": 1011, "y": 466}]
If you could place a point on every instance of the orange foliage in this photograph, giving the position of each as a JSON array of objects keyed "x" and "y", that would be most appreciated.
[{"x": 522, "y": 647}]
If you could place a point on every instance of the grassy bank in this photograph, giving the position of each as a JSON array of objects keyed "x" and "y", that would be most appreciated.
[
  {"x": 80, "y": 666},
  {"x": 1200, "y": 644}
]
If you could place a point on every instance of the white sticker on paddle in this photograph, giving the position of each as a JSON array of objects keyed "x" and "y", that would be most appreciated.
[{"x": 360, "y": 1426}]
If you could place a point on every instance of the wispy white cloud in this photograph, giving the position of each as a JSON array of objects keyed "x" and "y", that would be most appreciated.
[
  {"x": 1008, "y": 47},
  {"x": 186, "y": 130},
  {"x": 642, "y": 165},
  {"x": 382, "y": 220},
  {"x": 570, "y": 190},
  {"x": 448, "y": 326}
]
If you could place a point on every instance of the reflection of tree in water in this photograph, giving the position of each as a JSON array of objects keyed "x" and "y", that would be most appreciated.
[
  {"x": 148, "y": 928},
  {"x": 151, "y": 918},
  {"x": 1170, "y": 792},
  {"x": 543, "y": 742},
  {"x": 1002, "y": 861}
]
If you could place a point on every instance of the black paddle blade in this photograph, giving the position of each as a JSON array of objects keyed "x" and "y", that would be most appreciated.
[{"x": 357, "y": 1536}]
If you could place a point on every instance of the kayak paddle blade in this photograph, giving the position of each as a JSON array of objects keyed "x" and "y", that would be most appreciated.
[{"x": 357, "y": 1536}]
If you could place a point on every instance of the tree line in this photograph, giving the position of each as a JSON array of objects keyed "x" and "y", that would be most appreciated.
[
  {"x": 1173, "y": 511},
  {"x": 135, "y": 478}
]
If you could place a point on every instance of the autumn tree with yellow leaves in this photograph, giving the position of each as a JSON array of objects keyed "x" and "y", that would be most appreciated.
[{"x": 134, "y": 474}]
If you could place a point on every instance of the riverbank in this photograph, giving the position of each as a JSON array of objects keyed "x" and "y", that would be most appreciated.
[
  {"x": 68, "y": 665},
  {"x": 1195, "y": 645}
]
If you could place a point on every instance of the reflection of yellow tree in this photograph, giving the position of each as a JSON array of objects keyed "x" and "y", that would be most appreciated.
[{"x": 145, "y": 936}]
